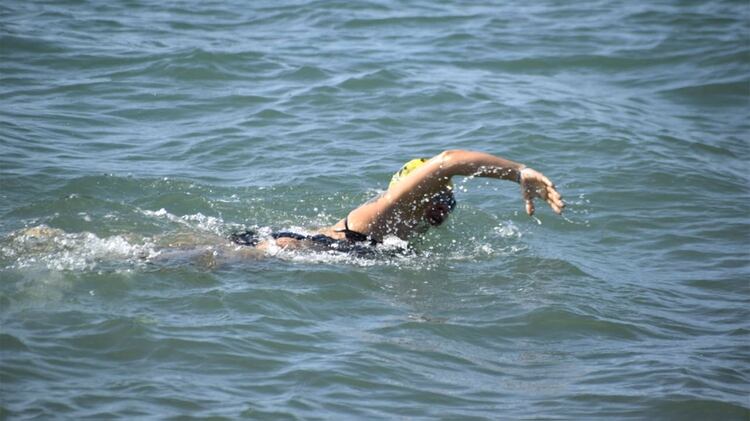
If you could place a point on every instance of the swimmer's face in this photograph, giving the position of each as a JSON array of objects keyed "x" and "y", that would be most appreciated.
[
  {"x": 437, "y": 213},
  {"x": 439, "y": 208}
]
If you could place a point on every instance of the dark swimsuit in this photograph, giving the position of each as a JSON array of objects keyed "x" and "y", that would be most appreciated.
[
  {"x": 354, "y": 236},
  {"x": 352, "y": 244}
]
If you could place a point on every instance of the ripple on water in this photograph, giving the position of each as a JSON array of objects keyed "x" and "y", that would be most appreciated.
[{"x": 129, "y": 129}]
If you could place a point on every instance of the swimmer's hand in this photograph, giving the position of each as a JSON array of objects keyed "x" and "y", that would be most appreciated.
[{"x": 535, "y": 184}]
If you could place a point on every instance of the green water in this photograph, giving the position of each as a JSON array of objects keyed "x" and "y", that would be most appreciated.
[{"x": 126, "y": 126}]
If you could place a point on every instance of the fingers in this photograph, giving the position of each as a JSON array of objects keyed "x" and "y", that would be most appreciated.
[
  {"x": 529, "y": 192},
  {"x": 556, "y": 207},
  {"x": 548, "y": 193},
  {"x": 552, "y": 193},
  {"x": 555, "y": 200},
  {"x": 535, "y": 184}
]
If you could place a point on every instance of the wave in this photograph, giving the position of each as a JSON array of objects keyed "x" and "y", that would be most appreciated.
[{"x": 721, "y": 94}]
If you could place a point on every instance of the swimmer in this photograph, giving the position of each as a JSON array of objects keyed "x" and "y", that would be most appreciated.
[{"x": 419, "y": 196}]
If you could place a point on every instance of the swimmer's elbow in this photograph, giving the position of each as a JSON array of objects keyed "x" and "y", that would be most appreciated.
[
  {"x": 462, "y": 162},
  {"x": 452, "y": 158},
  {"x": 450, "y": 155}
]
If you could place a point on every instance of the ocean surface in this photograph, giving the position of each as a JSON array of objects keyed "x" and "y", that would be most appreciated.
[{"x": 135, "y": 136}]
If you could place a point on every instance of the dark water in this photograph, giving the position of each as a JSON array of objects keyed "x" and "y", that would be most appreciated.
[{"x": 128, "y": 125}]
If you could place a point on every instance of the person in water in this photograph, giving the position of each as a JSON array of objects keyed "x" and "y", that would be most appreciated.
[{"x": 419, "y": 196}]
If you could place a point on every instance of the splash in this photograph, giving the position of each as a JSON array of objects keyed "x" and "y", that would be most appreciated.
[
  {"x": 579, "y": 207},
  {"x": 55, "y": 249},
  {"x": 391, "y": 252},
  {"x": 196, "y": 221},
  {"x": 202, "y": 241}
]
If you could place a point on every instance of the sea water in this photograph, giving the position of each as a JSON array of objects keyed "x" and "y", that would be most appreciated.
[{"x": 135, "y": 136}]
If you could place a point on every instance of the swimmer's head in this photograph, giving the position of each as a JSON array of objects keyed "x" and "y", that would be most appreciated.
[
  {"x": 441, "y": 204},
  {"x": 406, "y": 169}
]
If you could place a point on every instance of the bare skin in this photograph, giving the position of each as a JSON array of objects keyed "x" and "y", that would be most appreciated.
[{"x": 401, "y": 210}]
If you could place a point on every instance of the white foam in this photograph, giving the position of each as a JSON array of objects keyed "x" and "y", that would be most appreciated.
[
  {"x": 45, "y": 247},
  {"x": 197, "y": 221},
  {"x": 159, "y": 213},
  {"x": 507, "y": 230},
  {"x": 55, "y": 249}
]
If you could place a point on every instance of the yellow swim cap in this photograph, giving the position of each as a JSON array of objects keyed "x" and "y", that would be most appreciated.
[{"x": 407, "y": 169}]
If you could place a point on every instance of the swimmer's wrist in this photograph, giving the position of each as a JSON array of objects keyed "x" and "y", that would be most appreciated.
[{"x": 519, "y": 173}]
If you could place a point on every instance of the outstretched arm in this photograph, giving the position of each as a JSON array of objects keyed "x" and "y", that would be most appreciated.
[
  {"x": 404, "y": 203},
  {"x": 533, "y": 183},
  {"x": 438, "y": 171}
]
